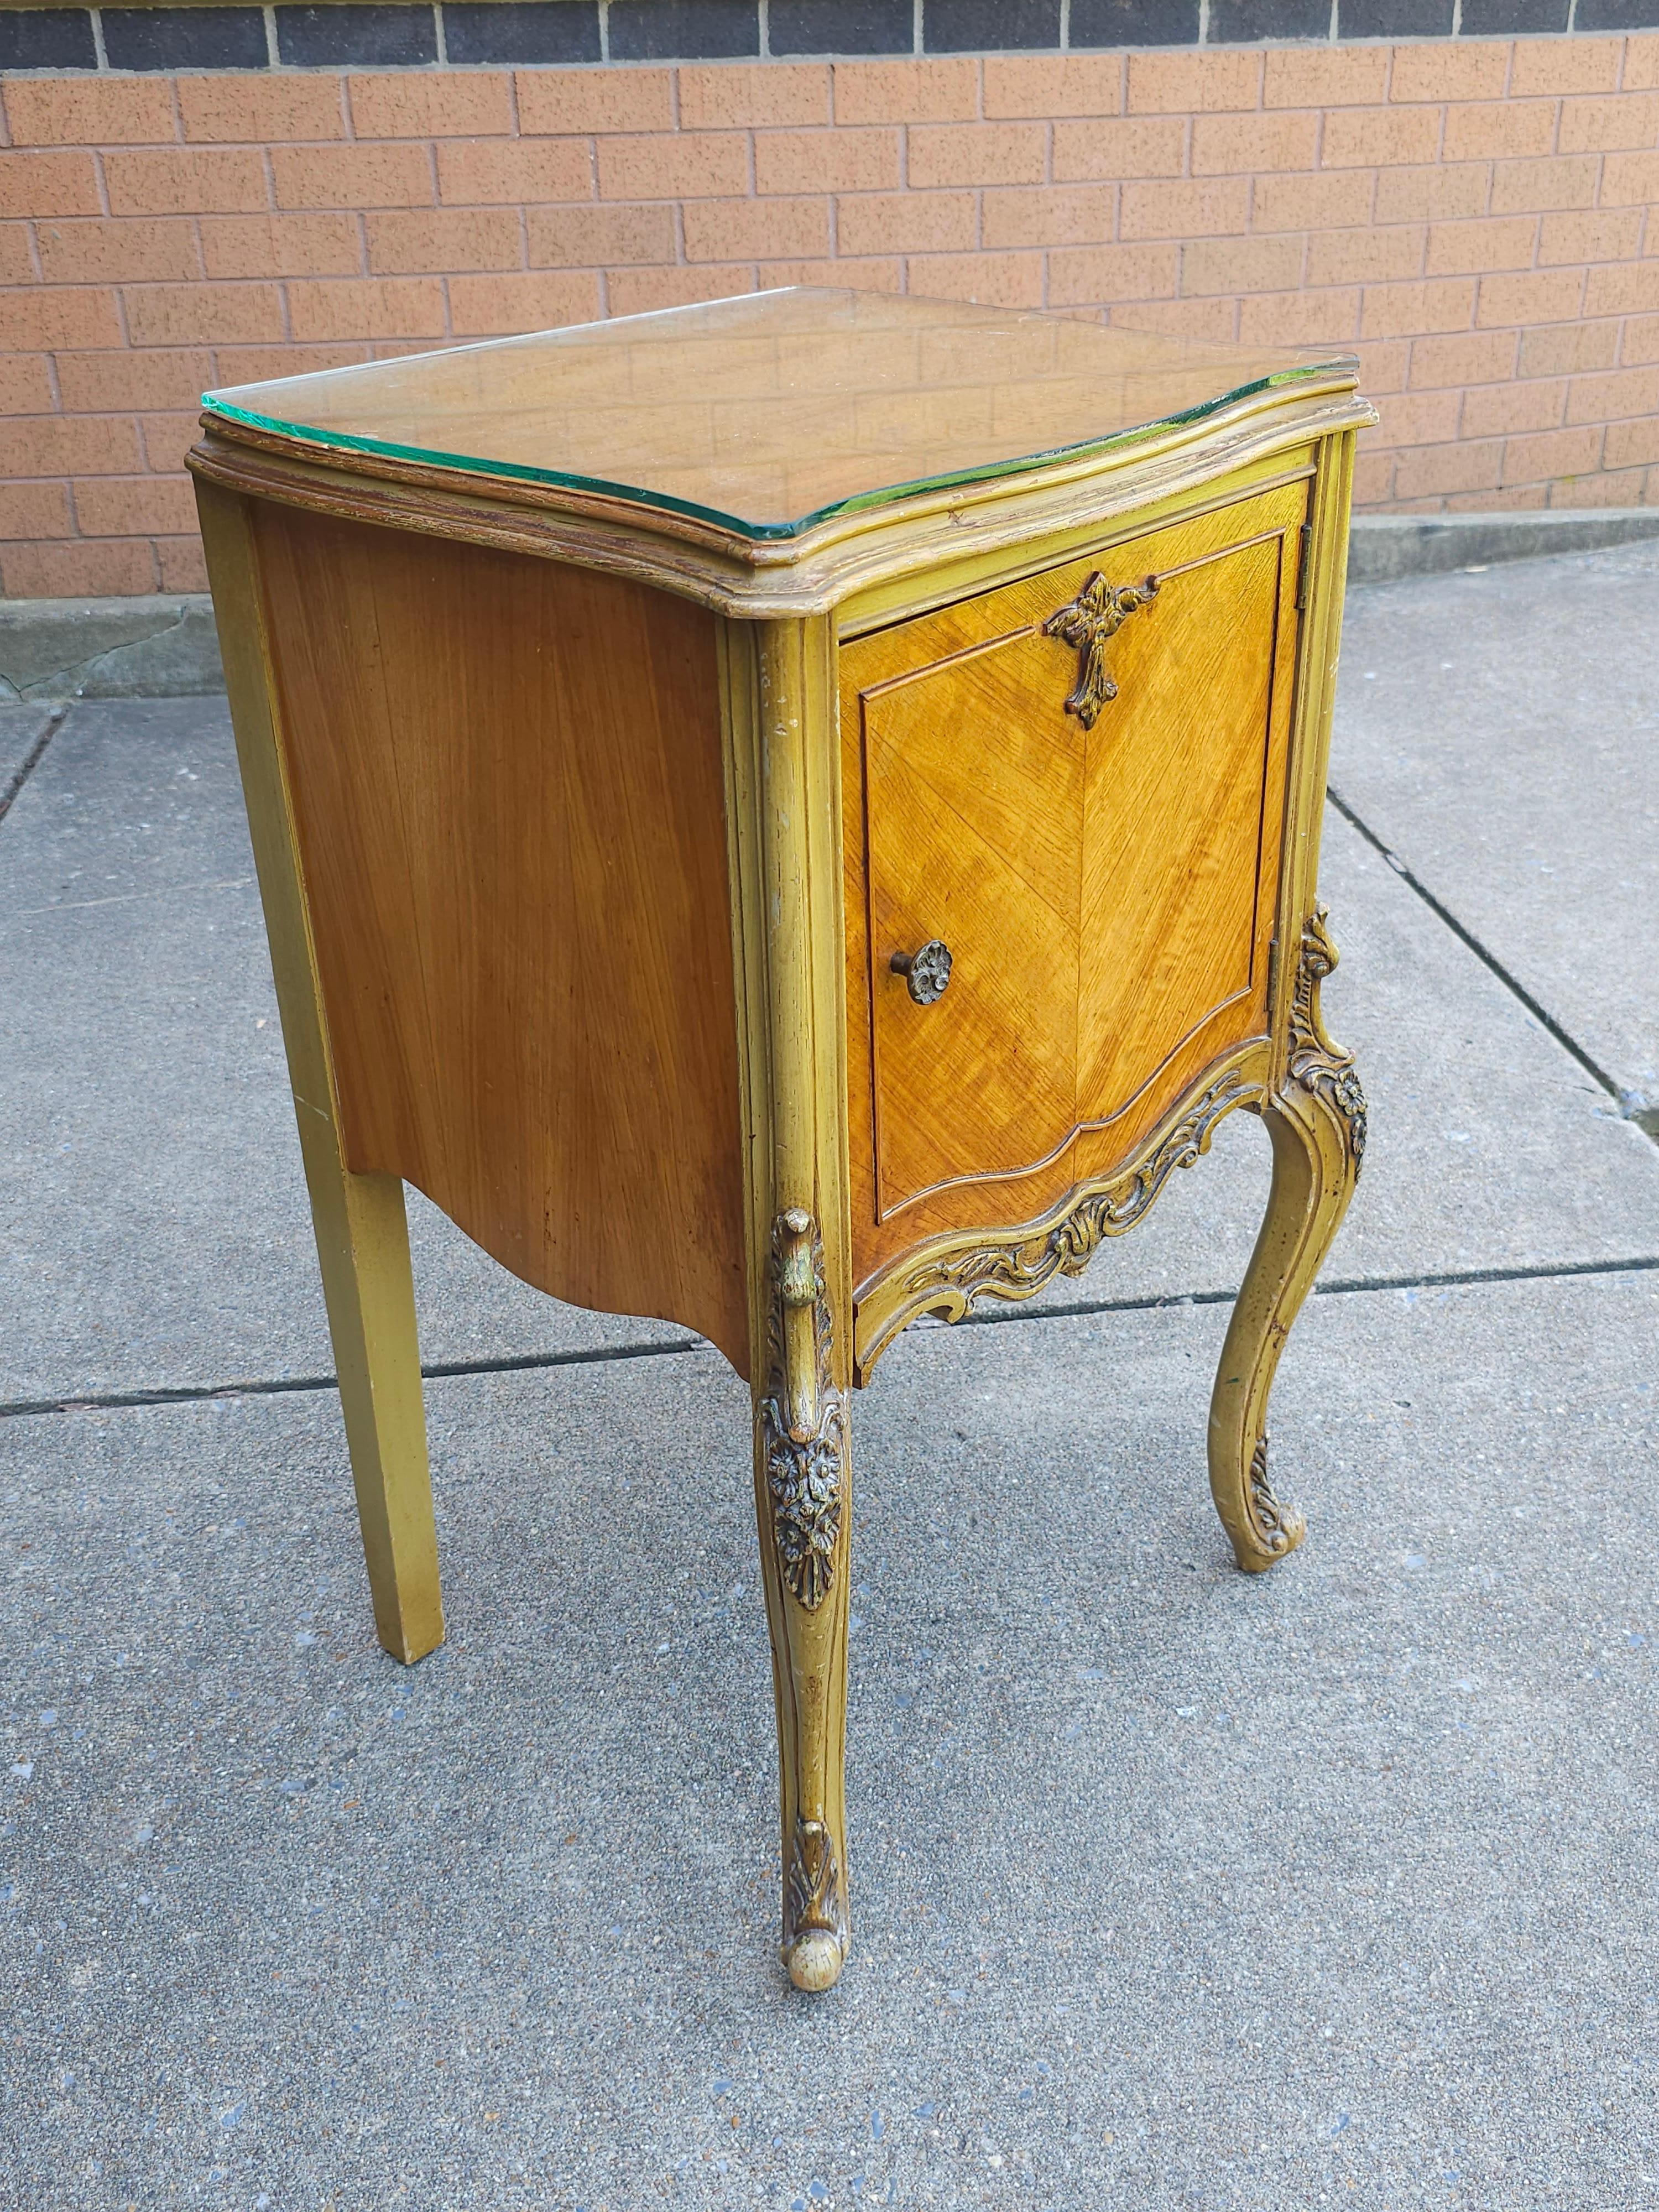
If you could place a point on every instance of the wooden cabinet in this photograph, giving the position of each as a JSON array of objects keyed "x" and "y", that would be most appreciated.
[{"x": 790, "y": 816}]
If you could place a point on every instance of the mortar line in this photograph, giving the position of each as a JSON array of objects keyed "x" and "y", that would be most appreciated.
[
  {"x": 531, "y": 1362},
  {"x": 32, "y": 758},
  {"x": 1541, "y": 1014}
]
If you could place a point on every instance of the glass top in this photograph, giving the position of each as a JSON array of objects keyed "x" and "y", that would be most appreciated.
[{"x": 769, "y": 413}]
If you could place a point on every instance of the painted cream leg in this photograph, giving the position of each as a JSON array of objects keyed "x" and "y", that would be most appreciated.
[
  {"x": 1316, "y": 1120},
  {"x": 362, "y": 1238}
]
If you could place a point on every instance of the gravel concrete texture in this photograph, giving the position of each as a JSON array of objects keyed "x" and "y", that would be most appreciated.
[
  {"x": 152, "y": 1206},
  {"x": 1172, "y": 1887},
  {"x": 1499, "y": 731}
]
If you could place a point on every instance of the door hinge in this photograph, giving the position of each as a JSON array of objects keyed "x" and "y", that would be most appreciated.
[{"x": 1303, "y": 567}]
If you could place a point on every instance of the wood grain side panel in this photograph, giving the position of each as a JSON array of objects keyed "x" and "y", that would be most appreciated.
[
  {"x": 1178, "y": 829},
  {"x": 508, "y": 793}
]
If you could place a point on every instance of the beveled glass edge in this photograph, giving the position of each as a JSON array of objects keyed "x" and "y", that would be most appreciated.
[{"x": 762, "y": 532}]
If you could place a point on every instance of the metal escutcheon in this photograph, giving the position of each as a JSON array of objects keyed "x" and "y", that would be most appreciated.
[{"x": 925, "y": 972}]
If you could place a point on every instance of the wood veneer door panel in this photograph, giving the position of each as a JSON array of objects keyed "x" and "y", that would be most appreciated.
[
  {"x": 1172, "y": 805},
  {"x": 1173, "y": 819},
  {"x": 974, "y": 828},
  {"x": 508, "y": 793},
  {"x": 967, "y": 1086}
]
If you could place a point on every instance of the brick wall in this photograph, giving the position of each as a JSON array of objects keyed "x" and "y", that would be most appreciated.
[{"x": 1475, "y": 215}]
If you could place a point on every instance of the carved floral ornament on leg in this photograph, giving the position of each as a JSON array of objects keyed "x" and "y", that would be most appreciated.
[
  {"x": 1099, "y": 611},
  {"x": 803, "y": 1415},
  {"x": 1316, "y": 1063}
]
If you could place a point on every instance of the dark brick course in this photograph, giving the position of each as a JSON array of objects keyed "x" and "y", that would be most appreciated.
[
  {"x": 348, "y": 37},
  {"x": 522, "y": 31},
  {"x": 975, "y": 27},
  {"x": 405, "y": 34},
  {"x": 47, "y": 38},
  {"x": 1134, "y": 22},
  {"x": 840, "y": 27},
  {"x": 185, "y": 38},
  {"x": 684, "y": 30}
]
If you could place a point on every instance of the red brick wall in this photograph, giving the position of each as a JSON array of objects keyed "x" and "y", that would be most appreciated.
[{"x": 1477, "y": 217}]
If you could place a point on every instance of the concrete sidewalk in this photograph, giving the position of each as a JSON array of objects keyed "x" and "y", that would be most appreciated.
[{"x": 1171, "y": 1887}]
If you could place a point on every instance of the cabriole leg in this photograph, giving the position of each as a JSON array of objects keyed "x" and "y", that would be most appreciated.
[
  {"x": 1316, "y": 1120},
  {"x": 802, "y": 1499}
]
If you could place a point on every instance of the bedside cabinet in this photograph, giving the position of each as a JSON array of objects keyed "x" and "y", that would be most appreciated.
[{"x": 790, "y": 815}]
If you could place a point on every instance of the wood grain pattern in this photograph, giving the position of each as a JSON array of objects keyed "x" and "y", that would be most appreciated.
[
  {"x": 507, "y": 787},
  {"x": 1108, "y": 894}
]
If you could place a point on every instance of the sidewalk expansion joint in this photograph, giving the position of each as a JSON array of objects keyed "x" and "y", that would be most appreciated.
[
  {"x": 1333, "y": 1286},
  {"x": 32, "y": 758},
  {"x": 997, "y": 1317},
  {"x": 1644, "y": 1121},
  {"x": 283, "y": 1386}
]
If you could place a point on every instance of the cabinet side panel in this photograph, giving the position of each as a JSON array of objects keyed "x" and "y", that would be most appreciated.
[{"x": 507, "y": 787}]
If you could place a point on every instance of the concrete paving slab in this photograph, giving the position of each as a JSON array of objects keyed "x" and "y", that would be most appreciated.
[
  {"x": 152, "y": 1205},
  {"x": 166, "y": 644},
  {"x": 1173, "y": 1887},
  {"x": 20, "y": 731},
  {"x": 1500, "y": 732}
]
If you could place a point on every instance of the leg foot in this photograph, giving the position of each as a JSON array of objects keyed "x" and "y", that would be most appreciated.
[
  {"x": 814, "y": 1910},
  {"x": 801, "y": 1489},
  {"x": 1316, "y": 1120}
]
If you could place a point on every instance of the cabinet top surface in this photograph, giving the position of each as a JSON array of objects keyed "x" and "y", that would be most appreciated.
[{"x": 770, "y": 413}]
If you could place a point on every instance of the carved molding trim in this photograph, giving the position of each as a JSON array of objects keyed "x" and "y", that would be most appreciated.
[
  {"x": 812, "y": 1898},
  {"x": 948, "y": 1280},
  {"x": 803, "y": 1416},
  {"x": 780, "y": 578},
  {"x": 1322, "y": 1068},
  {"x": 1279, "y": 1528},
  {"x": 1099, "y": 611}
]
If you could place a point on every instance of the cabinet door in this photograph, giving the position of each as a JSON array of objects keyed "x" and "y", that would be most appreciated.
[
  {"x": 975, "y": 811},
  {"x": 1081, "y": 799}
]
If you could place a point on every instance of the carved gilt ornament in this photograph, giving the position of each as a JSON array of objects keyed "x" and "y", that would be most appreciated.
[
  {"x": 1320, "y": 1066},
  {"x": 1278, "y": 1527},
  {"x": 1099, "y": 611},
  {"x": 948, "y": 1282},
  {"x": 803, "y": 1417}
]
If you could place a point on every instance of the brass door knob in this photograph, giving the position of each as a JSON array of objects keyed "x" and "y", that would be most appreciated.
[{"x": 925, "y": 972}]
